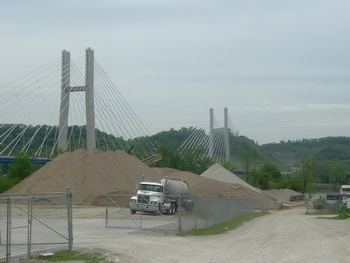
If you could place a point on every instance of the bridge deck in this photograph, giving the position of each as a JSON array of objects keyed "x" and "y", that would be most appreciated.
[{"x": 35, "y": 160}]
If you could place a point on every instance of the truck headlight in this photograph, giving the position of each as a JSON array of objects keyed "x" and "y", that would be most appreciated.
[{"x": 154, "y": 203}]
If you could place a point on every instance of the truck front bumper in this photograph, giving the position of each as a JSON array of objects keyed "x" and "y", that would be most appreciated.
[{"x": 143, "y": 207}]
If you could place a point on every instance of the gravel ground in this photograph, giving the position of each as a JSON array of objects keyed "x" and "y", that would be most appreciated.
[{"x": 282, "y": 236}]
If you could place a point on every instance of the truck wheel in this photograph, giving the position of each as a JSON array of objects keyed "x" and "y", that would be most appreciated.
[
  {"x": 132, "y": 211},
  {"x": 172, "y": 209}
]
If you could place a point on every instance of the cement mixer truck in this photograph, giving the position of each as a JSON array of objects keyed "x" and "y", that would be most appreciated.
[{"x": 164, "y": 197}]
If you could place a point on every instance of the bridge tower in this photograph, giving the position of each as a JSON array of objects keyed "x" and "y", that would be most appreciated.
[
  {"x": 211, "y": 143},
  {"x": 226, "y": 141},
  {"x": 66, "y": 89},
  {"x": 211, "y": 133}
]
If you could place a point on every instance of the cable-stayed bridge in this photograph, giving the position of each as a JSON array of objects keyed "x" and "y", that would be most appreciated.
[
  {"x": 68, "y": 104},
  {"x": 215, "y": 145}
]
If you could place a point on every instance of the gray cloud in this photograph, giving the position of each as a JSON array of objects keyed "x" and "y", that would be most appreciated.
[{"x": 281, "y": 67}]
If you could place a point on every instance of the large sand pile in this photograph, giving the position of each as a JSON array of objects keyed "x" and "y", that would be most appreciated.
[
  {"x": 92, "y": 174},
  {"x": 89, "y": 174}
]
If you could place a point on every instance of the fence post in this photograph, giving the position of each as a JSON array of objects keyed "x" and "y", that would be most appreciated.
[
  {"x": 180, "y": 215},
  {"x": 70, "y": 218},
  {"x": 106, "y": 221},
  {"x": 30, "y": 224},
  {"x": 8, "y": 230}
]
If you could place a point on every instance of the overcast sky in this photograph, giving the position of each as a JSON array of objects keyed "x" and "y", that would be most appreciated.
[{"x": 282, "y": 68}]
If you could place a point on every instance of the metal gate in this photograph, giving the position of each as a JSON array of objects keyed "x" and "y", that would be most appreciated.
[
  {"x": 34, "y": 222},
  {"x": 118, "y": 215}
]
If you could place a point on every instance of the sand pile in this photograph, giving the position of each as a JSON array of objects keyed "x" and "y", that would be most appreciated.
[
  {"x": 219, "y": 173},
  {"x": 284, "y": 195},
  {"x": 209, "y": 187},
  {"x": 89, "y": 174},
  {"x": 92, "y": 174}
]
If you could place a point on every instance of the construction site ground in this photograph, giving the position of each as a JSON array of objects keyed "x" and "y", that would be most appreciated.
[{"x": 287, "y": 235}]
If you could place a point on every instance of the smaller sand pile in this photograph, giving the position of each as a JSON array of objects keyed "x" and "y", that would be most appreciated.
[
  {"x": 219, "y": 173},
  {"x": 284, "y": 195},
  {"x": 202, "y": 186}
]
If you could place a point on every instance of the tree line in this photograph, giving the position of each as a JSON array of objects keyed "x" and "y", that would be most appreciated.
[{"x": 315, "y": 161}]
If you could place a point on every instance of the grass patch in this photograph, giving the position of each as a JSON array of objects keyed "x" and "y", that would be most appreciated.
[
  {"x": 321, "y": 213},
  {"x": 226, "y": 226},
  {"x": 74, "y": 255},
  {"x": 343, "y": 214},
  {"x": 203, "y": 214}
]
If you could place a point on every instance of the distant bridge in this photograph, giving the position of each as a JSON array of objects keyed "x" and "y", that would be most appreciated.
[
  {"x": 35, "y": 160},
  {"x": 216, "y": 144}
]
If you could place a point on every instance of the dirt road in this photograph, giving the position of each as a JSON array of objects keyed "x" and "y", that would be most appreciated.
[{"x": 282, "y": 236}]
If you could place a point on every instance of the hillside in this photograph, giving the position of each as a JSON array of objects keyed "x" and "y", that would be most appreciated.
[
  {"x": 323, "y": 149},
  {"x": 168, "y": 142},
  {"x": 246, "y": 153},
  {"x": 330, "y": 154}
]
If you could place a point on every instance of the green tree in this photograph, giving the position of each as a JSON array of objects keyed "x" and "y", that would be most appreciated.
[
  {"x": 169, "y": 158},
  {"x": 322, "y": 172},
  {"x": 230, "y": 166},
  {"x": 246, "y": 158},
  {"x": 337, "y": 175},
  {"x": 306, "y": 173},
  {"x": 268, "y": 173},
  {"x": 195, "y": 161},
  {"x": 6, "y": 183},
  {"x": 21, "y": 167},
  {"x": 252, "y": 177}
]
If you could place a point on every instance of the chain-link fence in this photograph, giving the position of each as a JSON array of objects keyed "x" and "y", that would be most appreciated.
[
  {"x": 34, "y": 222},
  {"x": 332, "y": 205},
  {"x": 204, "y": 212}
]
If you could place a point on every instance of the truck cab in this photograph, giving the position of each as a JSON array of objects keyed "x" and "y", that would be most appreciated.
[
  {"x": 149, "y": 198},
  {"x": 345, "y": 190},
  {"x": 165, "y": 196}
]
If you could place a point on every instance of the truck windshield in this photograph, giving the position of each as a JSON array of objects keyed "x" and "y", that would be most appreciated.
[
  {"x": 346, "y": 189},
  {"x": 149, "y": 187}
]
